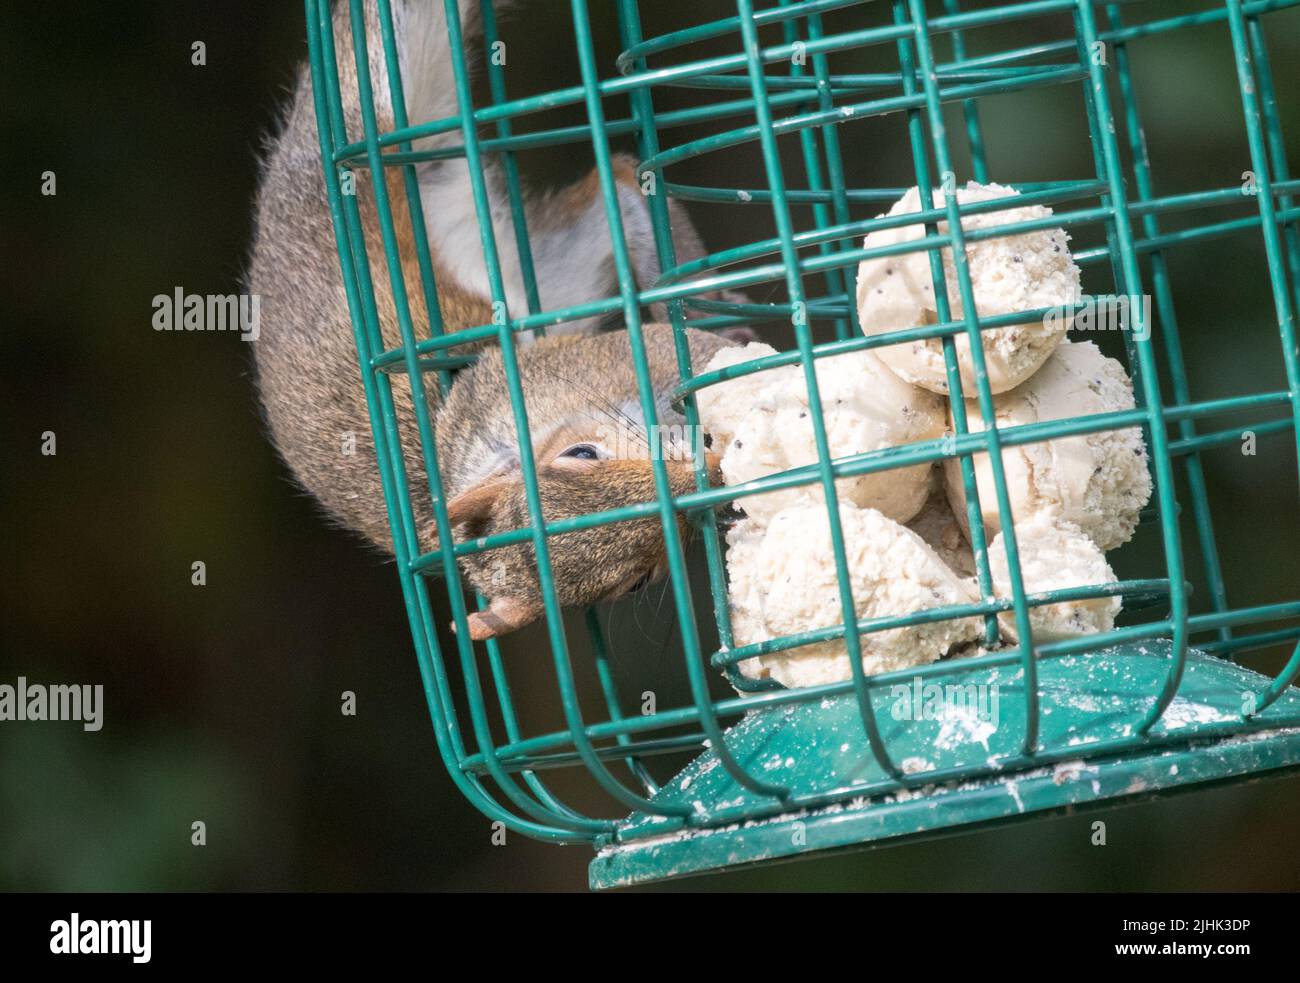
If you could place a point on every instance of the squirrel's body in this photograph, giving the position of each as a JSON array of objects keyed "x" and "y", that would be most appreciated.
[{"x": 311, "y": 385}]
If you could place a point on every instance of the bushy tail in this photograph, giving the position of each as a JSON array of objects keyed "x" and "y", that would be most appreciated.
[
  {"x": 308, "y": 376},
  {"x": 426, "y": 63}
]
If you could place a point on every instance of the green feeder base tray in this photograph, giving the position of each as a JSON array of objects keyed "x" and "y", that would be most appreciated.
[{"x": 964, "y": 766}]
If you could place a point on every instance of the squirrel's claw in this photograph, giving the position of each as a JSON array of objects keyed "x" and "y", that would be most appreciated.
[{"x": 504, "y": 615}]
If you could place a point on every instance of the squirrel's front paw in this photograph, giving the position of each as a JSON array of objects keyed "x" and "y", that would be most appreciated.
[{"x": 504, "y": 615}]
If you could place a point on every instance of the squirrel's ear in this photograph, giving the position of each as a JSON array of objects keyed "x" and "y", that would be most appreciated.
[{"x": 476, "y": 504}]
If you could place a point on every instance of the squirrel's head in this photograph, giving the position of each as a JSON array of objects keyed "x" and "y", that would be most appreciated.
[{"x": 582, "y": 469}]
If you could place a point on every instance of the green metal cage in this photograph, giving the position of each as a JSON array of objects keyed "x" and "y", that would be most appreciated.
[{"x": 1154, "y": 705}]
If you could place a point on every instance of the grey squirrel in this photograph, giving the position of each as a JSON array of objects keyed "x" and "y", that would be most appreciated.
[{"x": 310, "y": 384}]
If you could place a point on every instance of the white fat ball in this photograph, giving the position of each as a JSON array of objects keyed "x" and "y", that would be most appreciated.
[
  {"x": 1098, "y": 481},
  {"x": 762, "y": 425},
  {"x": 783, "y": 581},
  {"x": 1009, "y": 274}
]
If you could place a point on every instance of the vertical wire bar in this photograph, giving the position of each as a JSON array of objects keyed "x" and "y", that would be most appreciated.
[
  {"x": 411, "y": 183},
  {"x": 390, "y": 450},
  {"x": 834, "y": 165},
  {"x": 1132, "y": 284},
  {"x": 510, "y": 168},
  {"x": 1276, "y": 144},
  {"x": 641, "y": 103},
  {"x": 528, "y": 466},
  {"x": 1267, "y": 209},
  {"x": 1087, "y": 55},
  {"x": 836, "y": 278},
  {"x": 1277, "y": 148},
  {"x": 1168, "y": 319},
  {"x": 387, "y": 440},
  {"x": 510, "y": 719},
  {"x": 667, "y": 515},
  {"x": 377, "y": 386},
  {"x": 643, "y": 114},
  {"x": 523, "y": 248},
  {"x": 600, "y": 651},
  {"x": 415, "y": 378},
  {"x": 970, "y": 316},
  {"x": 969, "y": 107},
  {"x": 794, "y": 287},
  {"x": 956, "y": 395},
  {"x": 1256, "y": 121},
  {"x": 357, "y": 281}
]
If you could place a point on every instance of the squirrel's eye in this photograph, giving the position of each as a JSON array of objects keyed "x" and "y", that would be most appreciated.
[{"x": 584, "y": 452}]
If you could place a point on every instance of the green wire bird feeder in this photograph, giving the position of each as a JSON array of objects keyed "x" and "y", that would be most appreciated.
[{"x": 1153, "y": 706}]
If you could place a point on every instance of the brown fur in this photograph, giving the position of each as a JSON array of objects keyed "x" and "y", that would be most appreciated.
[
  {"x": 576, "y": 390},
  {"x": 307, "y": 370}
]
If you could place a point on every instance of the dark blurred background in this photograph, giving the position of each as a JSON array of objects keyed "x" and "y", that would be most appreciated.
[{"x": 223, "y": 701}]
